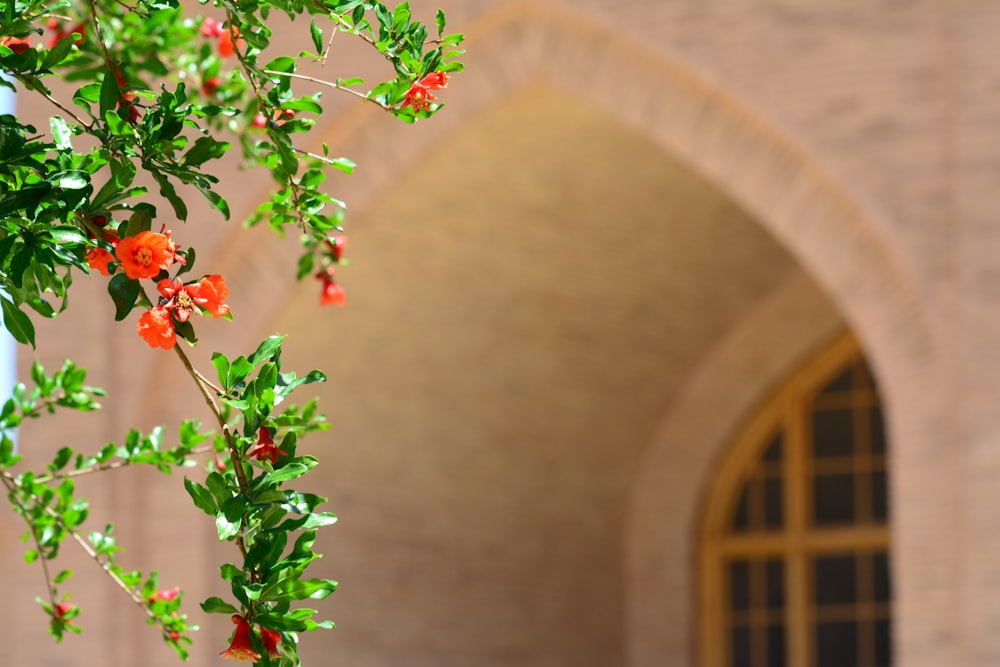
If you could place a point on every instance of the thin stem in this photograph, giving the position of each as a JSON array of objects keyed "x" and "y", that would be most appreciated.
[
  {"x": 12, "y": 485},
  {"x": 104, "y": 565},
  {"x": 234, "y": 454},
  {"x": 330, "y": 84},
  {"x": 100, "y": 37},
  {"x": 101, "y": 467},
  {"x": 69, "y": 112},
  {"x": 329, "y": 161}
]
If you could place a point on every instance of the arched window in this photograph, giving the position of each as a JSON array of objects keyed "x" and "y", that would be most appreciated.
[{"x": 795, "y": 542}]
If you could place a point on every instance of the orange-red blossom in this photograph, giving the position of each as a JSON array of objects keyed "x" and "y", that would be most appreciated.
[
  {"x": 265, "y": 449},
  {"x": 419, "y": 95},
  {"x": 333, "y": 294},
  {"x": 145, "y": 254},
  {"x": 16, "y": 44},
  {"x": 156, "y": 326},
  {"x": 240, "y": 647}
]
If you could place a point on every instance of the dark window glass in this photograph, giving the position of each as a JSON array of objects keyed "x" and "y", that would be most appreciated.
[
  {"x": 834, "y": 578},
  {"x": 865, "y": 377},
  {"x": 881, "y": 586},
  {"x": 776, "y": 646},
  {"x": 773, "y": 452},
  {"x": 883, "y": 644},
  {"x": 877, "y": 422},
  {"x": 836, "y": 644},
  {"x": 741, "y": 647},
  {"x": 832, "y": 433},
  {"x": 773, "y": 505},
  {"x": 741, "y": 517},
  {"x": 775, "y": 584},
  {"x": 880, "y": 497},
  {"x": 833, "y": 499},
  {"x": 840, "y": 383},
  {"x": 739, "y": 582}
]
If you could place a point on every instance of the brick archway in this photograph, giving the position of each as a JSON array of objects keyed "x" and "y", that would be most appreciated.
[{"x": 841, "y": 242}]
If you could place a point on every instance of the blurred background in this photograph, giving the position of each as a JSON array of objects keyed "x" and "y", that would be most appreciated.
[{"x": 672, "y": 340}]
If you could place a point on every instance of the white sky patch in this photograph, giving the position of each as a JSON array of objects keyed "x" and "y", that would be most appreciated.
[{"x": 8, "y": 355}]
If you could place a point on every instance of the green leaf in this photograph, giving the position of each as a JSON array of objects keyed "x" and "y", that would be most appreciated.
[
  {"x": 201, "y": 496},
  {"x": 110, "y": 93},
  {"x": 266, "y": 350},
  {"x": 124, "y": 291},
  {"x": 291, "y": 470},
  {"x": 222, "y": 369},
  {"x": 170, "y": 193},
  {"x": 60, "y": 131},
  {"x": 216, "y": 605},
  {"x": 317, "y": 36},
  {"x": 204, "y": 149},
  {"x": 440, "y": 21},
  {"x": 18, "y": 324},
  {"x": 57, "y": 53}
]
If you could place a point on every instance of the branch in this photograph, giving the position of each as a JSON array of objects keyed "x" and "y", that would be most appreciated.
[
  {"x": 12, "y": 487},
  {"x": 9, "y": 481},
  {"x": 329, "y": 84}
]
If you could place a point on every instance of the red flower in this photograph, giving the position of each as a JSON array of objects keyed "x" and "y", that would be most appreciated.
[
  {"x": 62, "y": 609},
  {"x": 419, "y": 95},
  {"x": 128, "y": 108},
  {"x": 259, "y": 122},
  {"x": 209, "y": 293},
  {"x": 265, "y": 449},
  {"x": 60, "y": 35},
  {"x": 210, "y": 85},
  {"x": 240, "y": 647},
  {"x": 98, "y": 259},
  {"x": 145, "y": 254},
  {"x": 227, "y": 43},
  {"x": 336, "y": 246},
  {"x": 271, "y": 639},
  {"x": 16, "y": 44},
  {"x": 156, "y": 328},
  {"x": 333, "y": 294},
  {"x": 168, "y": 595},
  {"x": 211, "y": 28}
]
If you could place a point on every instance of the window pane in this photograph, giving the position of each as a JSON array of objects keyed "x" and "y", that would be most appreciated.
[
  {"x": 877, "y": 430},
  {"x": 833, "y": 499},
  {"x": 880, "y": 499},
  {"x": 841, "y": 383},
  {"x": 739, "y": 583},
  {"x": 881, "y": 582},
  {"x": 773, "y": 452},
  {"x": 773, "y": 506},
  {"x": 741, "y": 517},
  {"x": 775, "y": 584},
  {"x": 832, "y": 433},
  {"x": 836, "y": 644},
  {"x": 740, "y": 647},
  {"x": 834, "y": 579},
  {"x": 883, "y": 644},
  {"x": 776, "y": 646}
]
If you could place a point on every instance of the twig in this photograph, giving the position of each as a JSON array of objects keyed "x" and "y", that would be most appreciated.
[
  {"x": 9, "y": 480},
  {"x": 329, "y": 84},
  {"x": 11, "y": 483}
]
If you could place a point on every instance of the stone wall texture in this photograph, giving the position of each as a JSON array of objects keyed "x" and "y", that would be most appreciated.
[{"x": 568, "y": 293}]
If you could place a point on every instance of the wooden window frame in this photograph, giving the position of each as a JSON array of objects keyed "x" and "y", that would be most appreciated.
[{"x": 798, "y": 540}]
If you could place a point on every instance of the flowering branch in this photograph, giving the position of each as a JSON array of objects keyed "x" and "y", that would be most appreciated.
[{"x": 65, "y": 207}]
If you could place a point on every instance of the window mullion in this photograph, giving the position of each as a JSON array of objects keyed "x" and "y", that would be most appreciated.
[{"x": 797, "y": 611}]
